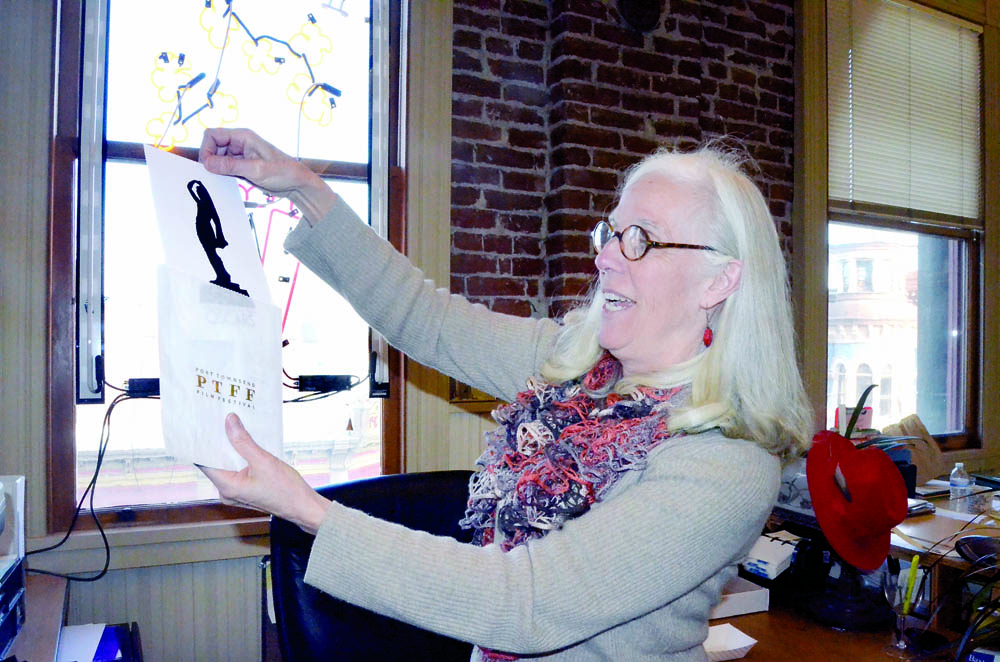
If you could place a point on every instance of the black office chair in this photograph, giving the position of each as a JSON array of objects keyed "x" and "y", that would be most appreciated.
[{"x": 312, "y": 625}]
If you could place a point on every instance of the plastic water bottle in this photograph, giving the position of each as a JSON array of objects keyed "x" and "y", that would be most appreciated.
[{"x": 960, "y": 487}]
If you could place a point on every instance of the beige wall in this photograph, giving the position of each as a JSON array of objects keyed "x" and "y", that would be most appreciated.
[
  {"x": 438, "y": 434},
  {"x": 25, "y": 103},
  {"x": 206, "y": 611}
]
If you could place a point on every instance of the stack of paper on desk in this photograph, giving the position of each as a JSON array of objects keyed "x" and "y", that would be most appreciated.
[
  {"x": 771, "y": 554},
  {"x": 933, "y": 487},
  {"x": 919, "y": 507}
]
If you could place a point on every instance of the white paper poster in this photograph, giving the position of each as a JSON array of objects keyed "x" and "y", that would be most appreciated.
[
  {"x": 203, "y": 224},
  {"x": 219, "y": 333}
]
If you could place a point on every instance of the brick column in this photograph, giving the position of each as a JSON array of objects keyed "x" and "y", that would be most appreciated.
[{"x": 553, "y": 100}]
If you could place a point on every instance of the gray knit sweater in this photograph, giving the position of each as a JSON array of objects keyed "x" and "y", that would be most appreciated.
[{"x": 631, "y": 579}]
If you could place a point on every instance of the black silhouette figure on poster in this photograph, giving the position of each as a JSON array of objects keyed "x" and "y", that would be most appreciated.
[{"x": 208, "y": 227}]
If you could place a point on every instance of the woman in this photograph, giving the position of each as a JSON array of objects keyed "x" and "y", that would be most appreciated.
[{"x": 637, "y": 469}]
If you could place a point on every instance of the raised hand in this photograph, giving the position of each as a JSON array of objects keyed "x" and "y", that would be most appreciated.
[
  {"x": 242, "y": 153},
  {"x": 266, "y": 483}
]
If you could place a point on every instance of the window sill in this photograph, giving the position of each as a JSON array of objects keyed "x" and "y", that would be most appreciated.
[{"x": 146, "y": 546}]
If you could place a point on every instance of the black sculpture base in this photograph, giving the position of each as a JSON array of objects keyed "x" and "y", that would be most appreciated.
[{"x": 230, "y": 285}]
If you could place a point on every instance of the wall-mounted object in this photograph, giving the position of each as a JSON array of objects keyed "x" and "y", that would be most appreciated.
[{"x": 641, "y": 15}]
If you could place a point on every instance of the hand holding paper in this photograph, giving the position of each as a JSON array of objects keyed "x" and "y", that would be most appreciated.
[
  {"x": 242, "y": 153},
  {"x": 267, "y": 483}
]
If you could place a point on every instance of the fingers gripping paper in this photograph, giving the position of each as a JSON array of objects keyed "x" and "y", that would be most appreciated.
[{"x": 220, "y": 336}]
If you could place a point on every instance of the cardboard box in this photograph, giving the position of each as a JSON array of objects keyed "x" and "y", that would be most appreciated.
[{"x": 740, "y": 596}]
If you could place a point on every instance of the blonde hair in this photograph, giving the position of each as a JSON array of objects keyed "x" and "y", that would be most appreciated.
[{"x": 747, "y": 382}]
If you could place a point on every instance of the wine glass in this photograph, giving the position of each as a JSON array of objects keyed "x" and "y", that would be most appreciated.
[{"x": 900, "y": 647}]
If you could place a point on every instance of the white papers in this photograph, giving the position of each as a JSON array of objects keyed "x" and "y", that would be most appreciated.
[
  {"x": 933, "y": 487},
  {"x": 725, "y": 642},
  {"x": 219, "y": 334},
  {"x": 919, "y": 507},
  {"x": 78, "y": 643},
  {"x": 771, "y": 554}
]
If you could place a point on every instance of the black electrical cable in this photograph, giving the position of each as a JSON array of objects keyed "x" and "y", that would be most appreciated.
[
  {"x": 310, "y": 397},
  {"x": 102, "y": 446},
  {"x": 117, "y": 388},
  {"x": 89, "y": 491}
]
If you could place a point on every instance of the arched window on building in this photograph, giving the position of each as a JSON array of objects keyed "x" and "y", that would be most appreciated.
[
  {"x": 864, "y": 378},
  {"x": 841, "y": 383},
  {"x": 885, "y": 392},
  {"x": 863, "y": 269}
]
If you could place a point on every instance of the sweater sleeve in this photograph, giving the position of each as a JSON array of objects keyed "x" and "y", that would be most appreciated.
[
  {"x": 491, "y": 351},
  {"x": 695, "y": 511}
]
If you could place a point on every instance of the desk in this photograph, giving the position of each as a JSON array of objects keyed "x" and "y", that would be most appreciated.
[
  {"x": 785, "y": 636},
  {"x": 45, "y": 611},
  {"x": 933, "y": 537},
  {"x": 940, "y": 530}
]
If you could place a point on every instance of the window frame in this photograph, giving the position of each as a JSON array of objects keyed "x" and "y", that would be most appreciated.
[
  {"x": 885, "y": 217},
  {"x": 63, "y": 229},
  {"x": 811, "y": 214}
]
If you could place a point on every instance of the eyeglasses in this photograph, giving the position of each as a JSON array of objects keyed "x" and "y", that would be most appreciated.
[{"x": 633, "y": 241}]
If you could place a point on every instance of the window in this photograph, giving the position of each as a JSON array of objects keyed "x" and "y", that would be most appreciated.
[
  {"x": 864, "y": 271},
  {"x": 864, "y": 380},
  {"x": 885, "y": 395},
  {"x": 841, "y": 395},
  {"x": 307, "y": 76},
  {"x": 904, "y": 206}
]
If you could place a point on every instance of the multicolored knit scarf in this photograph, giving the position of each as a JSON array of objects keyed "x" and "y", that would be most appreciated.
[{"x": 557, "y": 451}]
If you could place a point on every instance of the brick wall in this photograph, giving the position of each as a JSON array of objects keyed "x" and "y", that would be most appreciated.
[{"x": 552, "y": 100}]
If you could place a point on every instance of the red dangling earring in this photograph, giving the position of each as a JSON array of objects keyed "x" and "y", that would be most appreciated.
[{"x": 706, "y": 338}]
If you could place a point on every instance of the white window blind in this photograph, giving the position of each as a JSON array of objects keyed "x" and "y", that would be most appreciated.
[{"x": 904, "y": 90}]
